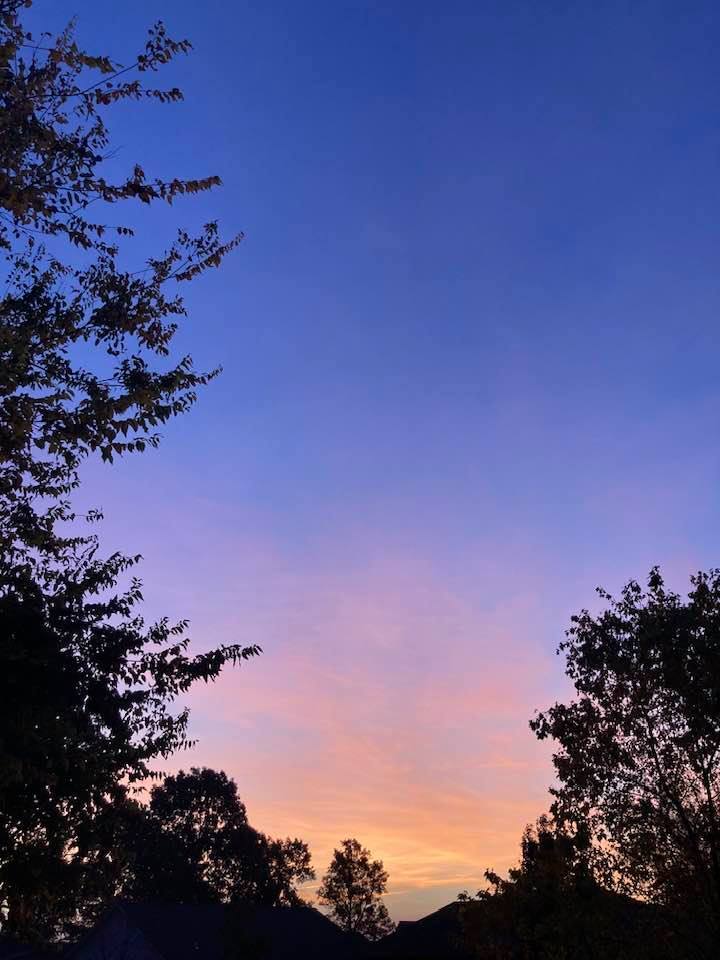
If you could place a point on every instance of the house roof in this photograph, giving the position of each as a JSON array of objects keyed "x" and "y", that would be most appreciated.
[
  {"x": 12, "y": 950},
  {"x": 435, "y": 937},
  {"x": 214, "y": 932}
]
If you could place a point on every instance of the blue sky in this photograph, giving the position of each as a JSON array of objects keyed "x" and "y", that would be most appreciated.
[{"x": 470, "y": 352}]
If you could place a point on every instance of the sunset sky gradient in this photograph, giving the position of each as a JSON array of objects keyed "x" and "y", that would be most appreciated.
[{"x": 470, "y": 372}]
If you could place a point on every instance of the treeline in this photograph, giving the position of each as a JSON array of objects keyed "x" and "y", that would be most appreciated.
[{"x": 190, "y": 843}]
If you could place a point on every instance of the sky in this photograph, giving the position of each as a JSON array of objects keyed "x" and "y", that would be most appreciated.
[{"x": 470, "y": 373}]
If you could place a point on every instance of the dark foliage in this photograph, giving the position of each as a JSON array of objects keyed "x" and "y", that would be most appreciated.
[
  {"x": 550, "y": 907},
  {"x": 87, "y": 690},
  {"x": 55, "y": 409},
  {"x": 191, "y": 844},
  {"x": 353, "y": 887},
  {"x": 202, "y": 849},
  {"x": 638, "y": 759},
  {"x": 86, "y": 696}
]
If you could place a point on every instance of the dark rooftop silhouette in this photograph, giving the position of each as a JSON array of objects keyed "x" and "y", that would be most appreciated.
[
  {"x": 215, "y": 932},
  {"x": 10, "y": 949},
  {"x": 436, "y": 936}
]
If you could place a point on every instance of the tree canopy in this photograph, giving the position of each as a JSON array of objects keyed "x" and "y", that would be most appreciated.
[
  {"x": 55, "y": 408},
  {"x": 86, "y": 695},
  {"x": 551, "y": 906},
  {"x": 190, "y": 844},
  {"x": 202, "y": 816},
  {"x": 638, "y": 748},
  {"x": 353, "y": 887}
]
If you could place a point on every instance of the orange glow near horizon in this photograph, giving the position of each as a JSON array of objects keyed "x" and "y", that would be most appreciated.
[
  {"x": 392, "y": 699},
  {"x": 418, "y": 747}
]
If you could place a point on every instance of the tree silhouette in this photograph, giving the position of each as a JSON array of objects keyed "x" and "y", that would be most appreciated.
[
  {"x": 551, "y": 906},
  {"x": 86, "y": 695},
  {"x": 221, "y": 858},
  {"x": 190, "y": 844},
  {"x": 196, "y": 808},
  {"x": 638, "y": 758},
  {"x": 54, "y": 408},
  {"x": 353, "y": 887},
  {"x": 87, "y": 689}
]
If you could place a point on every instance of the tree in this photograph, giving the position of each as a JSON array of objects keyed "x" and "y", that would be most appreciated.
[
  {"x": 289, "y": 866},
  {"x": 638, "y": 758},
  {"x": 196, "y": 808},
  {"x": 87, "y": 690},
  {"x": 191, "y": 843},
  {"x": 55, "y": 409},
  {"x": 353, "y": 887},
  {"x": 216, "y": 856},
  {"x": 550, "y": 906},
  {"x": 86, "y": 696}
]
